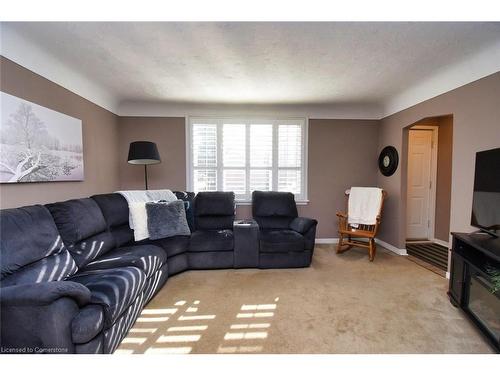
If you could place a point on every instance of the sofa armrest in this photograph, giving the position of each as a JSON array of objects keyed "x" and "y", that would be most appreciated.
[
  {"x": 37, "y": 318},
  {"x": 44, "y": 293},
  {"x": 302, "y": 224}
]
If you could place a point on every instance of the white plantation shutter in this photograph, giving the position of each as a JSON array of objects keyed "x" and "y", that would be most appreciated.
[
  {"x": 235, "y": 180},
  {"x": 261, "y": 179},
  {"x": 234, "y": 155},
  {"x": 261, "y": 145},
  {"x": 289, "y": 146},
  {"x": 246, "y": 155},
  {"x": 205, "y": 180},
  {"x": 204, "y": 146},
  {"x": 233, "y": 145},
  {"x": 261, "y": 156},
  {"x": 289, "y": 180}
]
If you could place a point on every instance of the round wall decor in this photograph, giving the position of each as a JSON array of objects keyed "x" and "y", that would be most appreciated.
[{"x": 388, "y": 160}]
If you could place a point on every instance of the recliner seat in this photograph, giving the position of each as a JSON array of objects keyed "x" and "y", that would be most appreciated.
[
  {"x": 280, "y": 241},
  {"x": 117, "y": 277},
  {"x": 212, "y": 242},
  {"x": 286, "y": 240}
]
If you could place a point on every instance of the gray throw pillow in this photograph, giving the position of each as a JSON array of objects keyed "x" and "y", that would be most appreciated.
[{"x": 167, "y": 219}]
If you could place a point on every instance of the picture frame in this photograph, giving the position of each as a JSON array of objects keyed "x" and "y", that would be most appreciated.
[{"x": 38, "y": 144}]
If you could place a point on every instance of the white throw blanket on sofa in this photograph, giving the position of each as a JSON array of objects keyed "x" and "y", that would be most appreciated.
[
  {"x": 364, "y": 205},
  {"x": 161, "y": 195},
  {"x": 137, "y": 199}
]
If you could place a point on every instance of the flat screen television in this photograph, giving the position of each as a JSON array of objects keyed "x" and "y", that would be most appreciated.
[{"x": 486, "y": 198}]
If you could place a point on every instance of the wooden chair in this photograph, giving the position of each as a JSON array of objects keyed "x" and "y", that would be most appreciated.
[{"x": 362, "y": 231}]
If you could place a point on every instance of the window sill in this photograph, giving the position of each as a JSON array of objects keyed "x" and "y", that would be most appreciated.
[{"x": 303, "y": 202}]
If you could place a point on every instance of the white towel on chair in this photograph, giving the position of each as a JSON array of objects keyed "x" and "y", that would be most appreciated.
[{"x": 364, "y": 205}]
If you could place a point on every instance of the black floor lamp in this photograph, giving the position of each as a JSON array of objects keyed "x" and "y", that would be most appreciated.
[{"x": 143, "y": 153}]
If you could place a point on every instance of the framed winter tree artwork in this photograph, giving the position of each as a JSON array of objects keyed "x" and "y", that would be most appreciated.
[{"x": 38, "y": 144}]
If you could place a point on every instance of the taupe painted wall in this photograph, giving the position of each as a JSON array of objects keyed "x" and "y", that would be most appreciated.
[
  {"x": 443, "y": 183},
  {"x": 342, "y": 153},
  {"x": 476, "y": 126},
  {"x": 100, "y": 139},
  {"x": 170, "y": 136}
]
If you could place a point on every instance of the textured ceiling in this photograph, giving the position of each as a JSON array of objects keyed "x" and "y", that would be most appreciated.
[{"x": 277, "y": 63}]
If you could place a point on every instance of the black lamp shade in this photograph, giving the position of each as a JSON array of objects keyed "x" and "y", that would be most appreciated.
[{"x": 143, "y": 152}]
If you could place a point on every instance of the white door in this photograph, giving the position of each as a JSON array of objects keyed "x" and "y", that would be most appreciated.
[{"x": 419, "y": 184}]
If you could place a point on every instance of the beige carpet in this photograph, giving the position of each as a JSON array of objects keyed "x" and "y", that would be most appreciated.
[{"x": 341, "y": 304}]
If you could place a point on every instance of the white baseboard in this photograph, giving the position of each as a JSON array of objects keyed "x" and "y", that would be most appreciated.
[
  {"x": 326, "y": 240},
  {"x": 441, "y": 242},
  {"x": 380, "y": 242},
  {"x": 388, "y": 246}
]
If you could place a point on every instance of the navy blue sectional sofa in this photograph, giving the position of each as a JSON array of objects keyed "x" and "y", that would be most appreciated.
[{"x": 74, "y": 281}]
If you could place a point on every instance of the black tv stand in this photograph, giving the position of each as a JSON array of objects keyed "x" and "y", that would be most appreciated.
[{"x": 473, "y": 258}]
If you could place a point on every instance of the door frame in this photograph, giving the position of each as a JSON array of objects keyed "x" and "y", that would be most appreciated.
[{"x": 433, "y": 176}]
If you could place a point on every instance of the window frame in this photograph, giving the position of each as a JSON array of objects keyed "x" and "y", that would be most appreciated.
[{"x": 249, "y": 120}]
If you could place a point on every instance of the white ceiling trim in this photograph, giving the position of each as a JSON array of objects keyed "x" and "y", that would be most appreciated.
[
  {"x": 23, "y": 52},
  {"x": 317, "y": 111},
  {"x": 480, "y": 65}
]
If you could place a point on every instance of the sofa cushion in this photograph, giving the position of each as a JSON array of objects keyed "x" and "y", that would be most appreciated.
[
  {"x": 280, "y": 241},
  {"x": 77, "y": 219},
  {"x": 113, "y": 289},
  {"x": 172, "y": 245},
  {"x": 273, "y": 203},
  {"x": 214, "y": 210},
  {"x": 212, "y": 240},
  {"x": 114, "y": 208},
  {"x": 148, "y": 258},
  {"x": 28, "y": 235},
  {"x": 214, "y": 222},
  {"x": 122, "y": 235},
  {"x": 85, "y": 251},
  {"x": 273, "y": 210},
  {"x": 167, "y": 219},
  {"x": 55, "y": 267},
  {"x": 214, "y": 203},
  {"x": 83, "y": 229},
  {"x": 274, "y": 222}
]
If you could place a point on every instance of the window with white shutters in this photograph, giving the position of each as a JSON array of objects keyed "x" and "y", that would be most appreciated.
[
  {"x": 243, "y": 155},
  {"x": 204, "y": 147}
]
